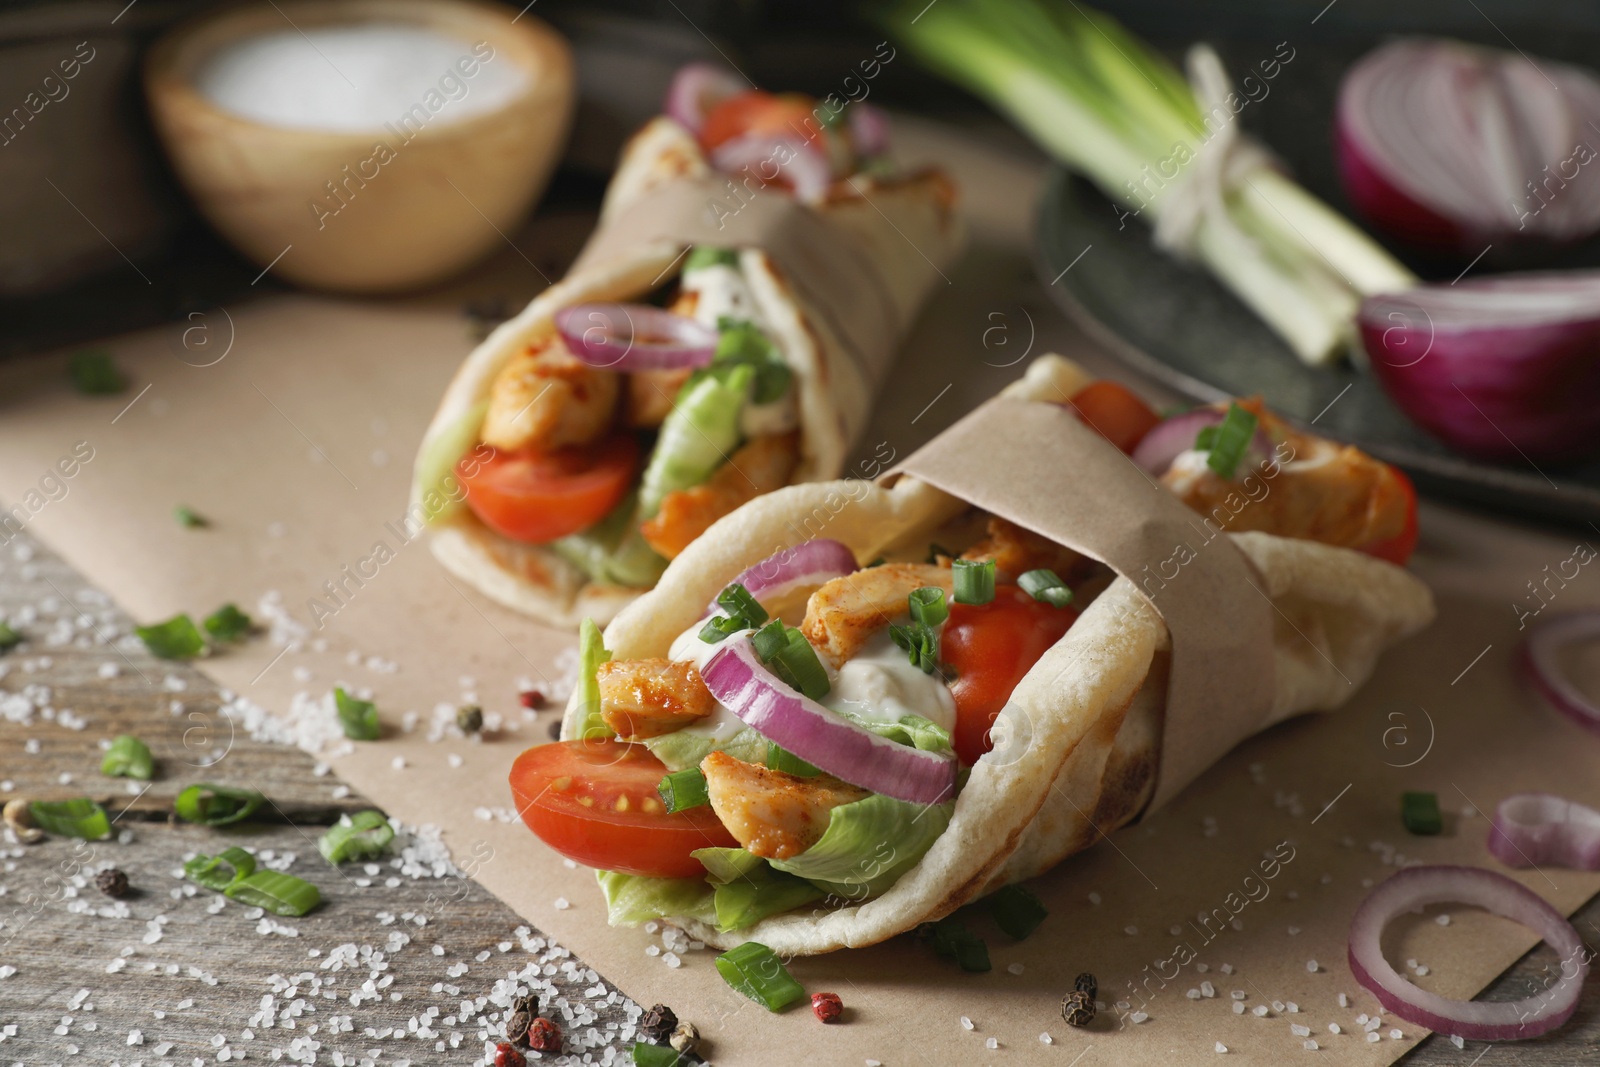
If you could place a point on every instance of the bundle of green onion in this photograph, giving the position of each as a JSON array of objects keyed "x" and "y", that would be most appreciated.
[{"x": 1106, "y": 105}]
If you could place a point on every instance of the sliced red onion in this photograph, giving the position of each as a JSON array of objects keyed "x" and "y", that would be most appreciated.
[
  {"x": 630, "y": 337},
  {"x": 1450, "y": 146},
  {"x": 696, "y": 89},
  {"x": 1534, "y": 829},
  {"x": 776, "y": 157},
  {"x": 869, "y": 129},
  {"x": 741, "y": 682},
  {"x": 1172, "y": 437},
  {"x": 1414, "y": 887},
  {"x": 807, "y": 564},
  {"x": 1541, "y": 663},
  {"x": 1504, "y": 368}
]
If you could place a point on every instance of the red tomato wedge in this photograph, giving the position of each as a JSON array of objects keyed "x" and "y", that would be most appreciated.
[
  {"x": 541, "y": 496},
  {"x": 1116, "y": 411},
  {"x": 990, "y": 647},
  {"x": 760, "y": 112},
  {"x": 1398, "y": 549},
  {"x": 596, "y": 802}
]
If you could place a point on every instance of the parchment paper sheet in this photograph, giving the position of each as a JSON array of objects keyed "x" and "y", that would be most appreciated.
[{"x": 296, "y": 445}]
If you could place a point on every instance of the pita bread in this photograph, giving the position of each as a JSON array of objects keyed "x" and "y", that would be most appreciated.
[
  {"x": 1079, "y": 742},
  {"x": 893, "y": 225}
]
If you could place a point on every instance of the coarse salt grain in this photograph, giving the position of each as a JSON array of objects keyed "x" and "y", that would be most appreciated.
[
  {"x": 1238, "y": 1007},
  {"x": 1311, "y": 965},
  {"x": 1207, "y": 989},
  {"x": 1014, "y": 968},
  {"x": 1299, "y": 1031},
  {"x": 1139, "y": 1016},
  {"x": 1094, "y": 898},
  {"x": 1046, "y": 1039},
  {"x": 1227, "y": 968},
  {"x": 1456, "y": 1040},
  {"x": 992, "y": 1043},
  {"x": 1333, "y": 1028},
  {"x": 1422, "y": 971},
  {"x": 1372, "y": 1036},
  {"x": 966, "y": 1023},
  {"x": 1442, "y": 920},
  {"x": 1292, "y": 1007},
  {"x": 1220, "y": 1047},
  {"x": 1260, "y": 1011},
  {"x": 1193, "y": 994},
  {"x": 1311, "y": 1046},
  {"x": 1344, "y": 1001},
  {"x": 1395, "y": 1034}
]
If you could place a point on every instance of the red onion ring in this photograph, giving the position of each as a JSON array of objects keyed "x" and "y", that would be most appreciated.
[
  {"x": 741, "y": 682},
  {"x": 1531, "y": 829},
  {"x": 630, "y": 337},
  {"x": 1449, "y": 146},
  {"x": 1171, "y": 437},
  {"x": 808, "y": 563},
  {"x": 772, "y": 157},
  {"x": 1412, "y": 888},
  {"x": 696, "y": 89},
  {"x": 1540, "y": 663},
  {"x": 1502, "y": 368}
]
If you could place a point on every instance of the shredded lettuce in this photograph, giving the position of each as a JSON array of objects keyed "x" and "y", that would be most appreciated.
[
  {"x": 868, "y": 845},
  {"x": 613, "y": 550},
  {"x": 697, "y": 436},
  {"x": 746, "y": 889},
  {"x": 687, "y": 747},
  {"x": 434, "y": 481},
  {"x": 911, "y": 730},
  {"x": 591, "y": 653},
  {"x": 632, "y": 899}
]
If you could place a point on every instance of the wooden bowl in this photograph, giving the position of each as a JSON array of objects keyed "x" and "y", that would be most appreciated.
[{"x": 328, "y": 209}]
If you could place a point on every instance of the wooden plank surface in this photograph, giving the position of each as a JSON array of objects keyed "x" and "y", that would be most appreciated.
[{"x": 203, "y": 979}]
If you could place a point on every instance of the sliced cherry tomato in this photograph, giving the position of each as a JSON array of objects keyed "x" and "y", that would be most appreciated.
[
  {"x": 596, "y": 802},
  {"x": 1116, "y": 411},
  {"x": 540, "y": 496},
  {"x": 990, "y": 647},
  {"x": 1398, "y": 549},
  {"x": 760, "y": 112}
]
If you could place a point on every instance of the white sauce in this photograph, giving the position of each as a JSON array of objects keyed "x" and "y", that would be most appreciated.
[
  {"x": 721, "y": 290},
  {"x": 881, "y": 684},
  {"x": 1187, "y": 467},
  {"x": 721, "y": 724},
  {"x": 358, "y": 78}
]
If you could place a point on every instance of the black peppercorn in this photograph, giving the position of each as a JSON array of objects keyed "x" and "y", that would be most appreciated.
[
  {"x": 1086, "y": 983},
  {"x": 111, "y": 882},
  {"x": 658, "y": 1023},
  {"x": 1077, "y": 1008},
  {"x": 470, "y": 718}
]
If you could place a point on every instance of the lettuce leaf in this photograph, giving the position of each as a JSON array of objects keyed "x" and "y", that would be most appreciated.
[
  {"x": 696, "y": 438},
  {"x": 613, "y": 551},
  {"x": 912, "y": 730},
  {"x": 687, "y": 747},
  {"x": 632, "y": 899},
  {"x": 868, "y": 845},
  {"x": 746, "y": 889},
  {"x": 434, "y": 481},
  {"x": 591, "y": 653}
]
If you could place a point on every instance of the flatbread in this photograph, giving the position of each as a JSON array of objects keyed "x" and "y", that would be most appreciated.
[
  {"x": 1080, "y": 739},
  {"x": 902, "y": 230}
]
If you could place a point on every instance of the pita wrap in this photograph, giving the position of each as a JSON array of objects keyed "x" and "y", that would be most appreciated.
[
  {"x": 1079, "y": 746},
  {"x": 837, "y": 283}
]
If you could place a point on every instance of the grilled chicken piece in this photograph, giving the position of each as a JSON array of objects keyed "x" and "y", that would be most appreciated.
[
  {"x": 1315, "y": 489},
  {"x": 650, "y": 396},
  {"x": 761, "y": 466},
  {"x": 545, "y": 398},
  {"x": 846, "y": 611},
  {"x": 773, "y": 814},
  {"x": 642, "y": 698},
  {"x": 1016, "y": 551}
]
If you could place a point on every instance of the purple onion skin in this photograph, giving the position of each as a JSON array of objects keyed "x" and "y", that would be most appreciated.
[
  {"x": 1386, "y": 207},
  {"x": 1537, "y": 386}
]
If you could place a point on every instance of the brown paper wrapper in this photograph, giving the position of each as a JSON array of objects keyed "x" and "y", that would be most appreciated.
[{"x": 1040, "y": 467}]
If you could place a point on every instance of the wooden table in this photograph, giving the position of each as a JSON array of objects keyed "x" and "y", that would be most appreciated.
[{"x": 161, "y": 979}]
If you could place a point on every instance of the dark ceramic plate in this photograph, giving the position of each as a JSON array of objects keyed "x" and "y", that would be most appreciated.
[{"x": 1176, "y": 323}]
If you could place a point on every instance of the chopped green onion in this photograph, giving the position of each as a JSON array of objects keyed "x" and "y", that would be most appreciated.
[
  {"x": 177, "y": 638},
  {"x": 363, "y": 836},
  {"x": 93, "y": 373},
  {"x": 742, "y": 344},
  {"x": 755, "y": 970},
  {"x": 737, "y": 599},
  {"x": 795, "y": 661},
  {"x": 935, "y": 550},
  {"x": 648, "y": 1055},
  {"x": 216, "y": 805},
  {"x": 702, "y": 256},
  {"x": 880, "y": 561},
  {"x": 720, "y": 628},
  {"x": 781, "y": 759},
  {"x": 228, "y": 623},
  {"x": 921, "y": 642},
  {"x": 1017, "y": 911},
  {"x": 1228, "y": 440},
  {"x": 953, "y": 941},
  {"x": 1420, "y": 813},
  {"x": 684, "y": 789},
  {"x": 189, "y": 517},
  {"x": 1046, "y": 585},
  {"x": 128, "y": 757},
  {"x": 974, "y": 581},
  {"x": 592, "y": 652},
  {"x": 770, "y": 639},
  {"x": 279, "y": 893},
  {"x": 78, "y": 817},
  {"x": 219, "y": 872},
  {"x": 9, "y": 638},
  {"x": 358, "y": 717},
  {"x": 927, "y": 606}
]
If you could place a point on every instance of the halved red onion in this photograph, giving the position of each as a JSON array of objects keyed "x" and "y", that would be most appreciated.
[
  {"x": 741, "y": 682},
  {"x": 1540, "y": 661},
  {"x": 1504, "y": 368},
  {"x": 630, "y": 337},
  {"x": 696, "y": 89},
  {"x": 777, "y": 157},
  {"x": 1171, "y": 437},
  {"x": 1450, "y": 146},
  {"x": 869, "y": 129},
  {"x": 1414, "y": 887},
  {"x": 807, "y": 564},
  {"x": 1533, "y": 829}
]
